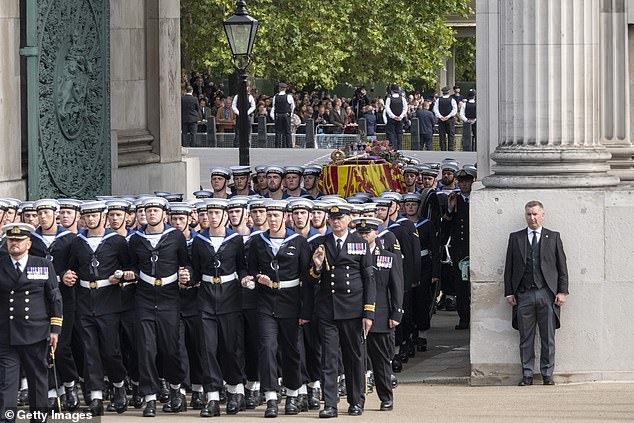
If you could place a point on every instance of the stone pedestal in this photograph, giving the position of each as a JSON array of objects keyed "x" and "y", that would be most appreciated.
[
  {"x": 615, "y": 88},
  {"x": 548, "y": 130},
  {"x": 596, "y": 339}
]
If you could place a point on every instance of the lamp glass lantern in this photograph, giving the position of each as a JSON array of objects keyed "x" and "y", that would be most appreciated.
[{"x": 241, "y": 30}]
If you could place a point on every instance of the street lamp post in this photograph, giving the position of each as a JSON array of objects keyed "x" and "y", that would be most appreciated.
[{"x": 241, "y": 30}]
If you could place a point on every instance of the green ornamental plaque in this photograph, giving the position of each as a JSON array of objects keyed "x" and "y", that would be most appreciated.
[{"x": 73, "y": 131}]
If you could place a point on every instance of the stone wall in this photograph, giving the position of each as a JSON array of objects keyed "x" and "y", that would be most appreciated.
[{"x": 596, "y": 340}]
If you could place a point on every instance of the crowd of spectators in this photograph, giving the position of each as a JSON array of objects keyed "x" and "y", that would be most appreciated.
[{"x": 331, "y": 114}]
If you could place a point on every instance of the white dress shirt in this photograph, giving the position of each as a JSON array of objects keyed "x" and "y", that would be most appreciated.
[
  {"x": 454, "y": 108},
  {"x": 234, "y": 105}
]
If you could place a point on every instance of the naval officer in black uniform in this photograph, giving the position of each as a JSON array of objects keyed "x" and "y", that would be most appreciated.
[
  {"x": 31, "y": 318},
  {"x": 388, "y": 274},
  {"x": 345, "y": 308},
  {"x": 158, "y": 255}
]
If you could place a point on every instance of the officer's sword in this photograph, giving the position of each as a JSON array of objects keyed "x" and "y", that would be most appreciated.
[
  {"x": 365, "y": 360},
  {"x": 59, "y": 402}
]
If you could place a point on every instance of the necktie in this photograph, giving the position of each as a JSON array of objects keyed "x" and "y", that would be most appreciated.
[
  {"x": 534, "y": 241},
  {"x": 339, "y": 242},
  {"x": 17, "y": 269}
]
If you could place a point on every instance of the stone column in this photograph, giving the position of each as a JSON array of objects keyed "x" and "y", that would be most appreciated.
[
  {"x": 615, "y": 88},
  {"x": 548, "y": 119},
  {"x": 487, "y": 65},
  {"x": 11, "y": 182}
]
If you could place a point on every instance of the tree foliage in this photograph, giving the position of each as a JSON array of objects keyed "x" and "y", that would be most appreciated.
[
  {"x": 316, "y": 43},
  {"x": 465, "y": 54}
]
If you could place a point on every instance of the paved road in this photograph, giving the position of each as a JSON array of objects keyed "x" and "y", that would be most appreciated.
[
  {"x": 599, "y": 402},
  {"x": 211, "y": 157}
]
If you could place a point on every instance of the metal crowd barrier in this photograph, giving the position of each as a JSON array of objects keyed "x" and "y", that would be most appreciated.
[{"x": 311, "y": 136}]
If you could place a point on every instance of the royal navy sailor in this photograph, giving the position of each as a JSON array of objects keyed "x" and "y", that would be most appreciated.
[{"x": 158, "y": 254}]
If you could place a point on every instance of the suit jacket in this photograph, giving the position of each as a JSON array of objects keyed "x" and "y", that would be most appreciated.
[
  {"x": 190, "y": 109},
  {"x": 553, "y": 264},
  {"x": 31, "y": 305}
]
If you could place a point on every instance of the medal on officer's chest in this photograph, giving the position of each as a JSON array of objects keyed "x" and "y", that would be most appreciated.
[
  {"x": 356, "y": 248},
  {"x": 384, "y": 262},
  {"x": 37, "y": 273}
]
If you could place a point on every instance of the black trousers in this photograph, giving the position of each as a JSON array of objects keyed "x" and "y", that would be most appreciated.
[
  {"x": 251, "y": 344},
  {"x": 426, "y": 141},
  {"x": 381, "y": 350},
  {"x": 447, "y": 279},
  {"x": 394, "y": 133},
  {"x": 64, "y": 358},
  {"x": 310, "y": 350},
  {"x": 102, "y": 350},
  {"x": 34, "y": 361},
  {"x": 283, "y": 131},
  {"x": 158, "y": 337},
  {"x": 469, "y": 131},
  {"x": 447, "y": 132},
  {"x": 406, "y": 329},
  {"x": 279, "y": 335},
  {"x": 423, "y": 301},
  {"x": 190, "y": 331},
  {"x": 347, "y": 335},
  {"x": 188, "y": 133},
  {"x": 463, "y": 293},
  {"x": 127, "y": 336},
  {"x": 222, "y": 342}
]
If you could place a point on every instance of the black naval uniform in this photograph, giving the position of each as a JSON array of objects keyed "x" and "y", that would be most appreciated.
[
  {"x": 157, "y": 305},
  {"x": 251, "y": 332},
  {"x": 58, "y": 253},
  {"x": 99, "y": 305},
  {"x": 407, "y": 236},
  {"x": 424, "y": 294},
  {"x": 280, "y": 306},
  {"x": 347, "y": 293},
  {"x": 310, "y": 347},
  {"x": 220, "y": 303},
  {"x": 30, "y": 310},
  {"x": 128, "y": 328},
  {"x": 457, "y": 227},
  {"x": 191, "y": 328},
  {"x": 388, "y": 274}
]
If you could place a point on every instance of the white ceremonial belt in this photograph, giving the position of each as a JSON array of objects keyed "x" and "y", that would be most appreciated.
[
  {"x": 424, "y": 253},
  {"x": 101, "y": 283},
  {"x": 285, "y": 284},
  {"x": 158, "y": 281},
  {"x": 220, "y": 279},
  {"x": 124, "y": 284}
]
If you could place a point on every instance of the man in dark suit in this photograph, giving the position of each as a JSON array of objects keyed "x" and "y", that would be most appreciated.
[
  {"x": 536, "y": 285},
  {"x": 190, "y": 115},
  {"x": 31, "y": 320}
]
